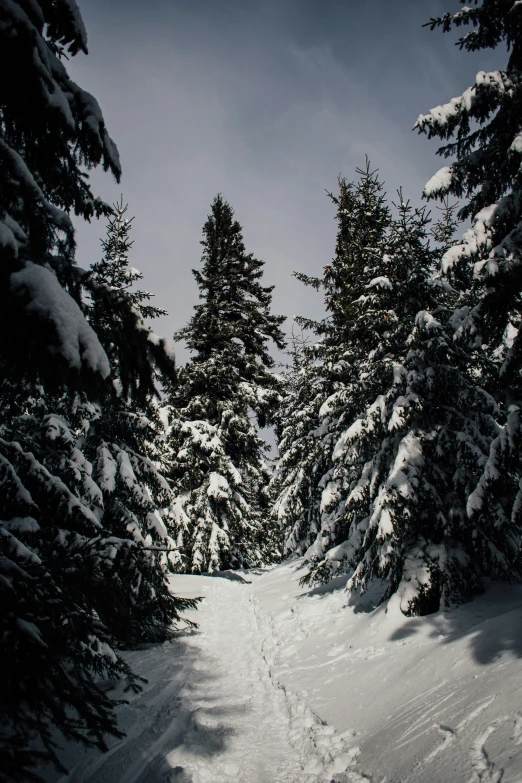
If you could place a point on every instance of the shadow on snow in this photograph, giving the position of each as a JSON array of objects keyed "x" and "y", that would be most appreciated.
[
  {"x": 493, "y": 623},
  {"x": 177, "y": 710}
]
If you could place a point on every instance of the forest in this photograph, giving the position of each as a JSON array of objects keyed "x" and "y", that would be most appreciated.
[{"x": 397, "y": 417}]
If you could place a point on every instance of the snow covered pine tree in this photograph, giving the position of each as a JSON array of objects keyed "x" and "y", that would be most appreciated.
[
  {"x": 410, "y": 433},
  {"x": 302, "y": 454},
  {"x": 58, "y": 562},
  {"x": 220, "y": 517},
  {"x": 486, "y": 172},
  {"x": 122, "y": 440},
  {"x": 330, "y": 367}
]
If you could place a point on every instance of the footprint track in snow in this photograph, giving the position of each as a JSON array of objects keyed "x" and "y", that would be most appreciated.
[
  {"x": 484, "y": 769},
  {"x": 222, "y": 717}
]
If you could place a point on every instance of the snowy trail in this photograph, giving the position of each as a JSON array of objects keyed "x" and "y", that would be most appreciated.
[
  {"x": 428, "y": 699},
  {"x": 212, "y": 711}
]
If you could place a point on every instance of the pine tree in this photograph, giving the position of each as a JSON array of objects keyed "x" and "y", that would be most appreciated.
[
  {"x": 48, "y": 127},
  {"x": 408, "y": 426},
  {"x": 486, "y": 174},
  {"x": 219, "y": 516},
  {"x": 486, "y": 144},
  {"x": 302, "y": 455},
  {"x": 51, "y": 131},
  {"x": 122, "y": 438},
  {"x": 346, "y": 337},
  {"x": 59, "y": 564},
  {"x": 138, "y": 357},
  {"x": 405, "y": 468},
  {"x": 82, "y": 499}
]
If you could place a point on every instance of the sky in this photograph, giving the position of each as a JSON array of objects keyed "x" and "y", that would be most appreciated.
[{"x": 266, "y": 103}]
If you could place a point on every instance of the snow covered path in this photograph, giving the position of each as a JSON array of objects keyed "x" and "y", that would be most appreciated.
[
  {"x": 434, "y": 699},
  {"x": 212, "y": 713}
]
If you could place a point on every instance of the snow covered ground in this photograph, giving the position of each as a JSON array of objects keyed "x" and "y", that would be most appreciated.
[{"x": 283, "y": 684}]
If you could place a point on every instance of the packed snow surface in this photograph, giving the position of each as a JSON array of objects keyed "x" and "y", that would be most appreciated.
[{"x": 287, "y": 684}]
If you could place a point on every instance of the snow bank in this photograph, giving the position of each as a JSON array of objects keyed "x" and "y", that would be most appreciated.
[{"x": 429, "y": 700}]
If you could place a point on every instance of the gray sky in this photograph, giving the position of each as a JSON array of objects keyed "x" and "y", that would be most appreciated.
[{"x": 265, "y": 102}]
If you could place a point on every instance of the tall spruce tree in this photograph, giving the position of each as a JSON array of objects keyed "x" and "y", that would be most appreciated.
[
  {"x": 404, "y": 470},
  {"x": 345, "y": 337},
  {"x": 220, "y": 515},
  {"x": 484, "y": 133},
  {"x": 124, "y": 440},
  {"x": 409, "y": 428},
  {"x": 59, "y": 564}
]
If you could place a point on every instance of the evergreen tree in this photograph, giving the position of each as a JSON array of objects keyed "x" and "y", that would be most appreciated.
[
  {"x": 408, "y": 427},
  {"x": 72, "y": 592},
  {"x": 217, "y": 454},
  {"x": 50, "y": 132},
  {"x": 79, "y": 582},
  {"x": 332, "y": 381},
  {"x": 486, "y": 173},
  {"x": 404, "y": 470},
  {"x": 138, "y": 357},
  {"x": 302, "y": 454},
  {"x": 485, "y": 133},
  {"x": 124, "y": 438}
]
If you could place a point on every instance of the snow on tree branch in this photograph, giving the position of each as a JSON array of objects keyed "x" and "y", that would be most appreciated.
[{"x": 77, "y": 342}]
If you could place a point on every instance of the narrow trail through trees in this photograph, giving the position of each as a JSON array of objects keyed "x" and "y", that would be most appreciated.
[{"x": 211, "y": 711}]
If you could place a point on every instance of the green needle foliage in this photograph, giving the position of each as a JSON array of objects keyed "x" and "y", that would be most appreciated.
[{"x": 220, "y": 516}]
